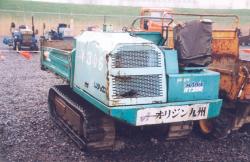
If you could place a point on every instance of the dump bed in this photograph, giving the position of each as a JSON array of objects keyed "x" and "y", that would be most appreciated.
[
  {"x": 233, "y": 66},
  {"x": 56, "y": 57}
]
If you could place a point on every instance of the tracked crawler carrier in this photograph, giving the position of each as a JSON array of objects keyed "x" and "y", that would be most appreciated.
[{"x": 122, "y": 77}]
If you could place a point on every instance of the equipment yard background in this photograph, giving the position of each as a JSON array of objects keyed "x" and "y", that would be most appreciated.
[{"x": 28, "y": 134}]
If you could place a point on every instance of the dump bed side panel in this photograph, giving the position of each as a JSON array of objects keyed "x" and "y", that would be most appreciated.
[
  {"x": 225, "y": 43},
  {"x": 56, "y": 57},
  {"x": 225, "y": 52},
  {"x": 225, "y": 60},
  {"x": 66, "y": 45}
]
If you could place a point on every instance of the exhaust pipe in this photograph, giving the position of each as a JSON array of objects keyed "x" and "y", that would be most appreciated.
[{"x": 33, "y": 28}]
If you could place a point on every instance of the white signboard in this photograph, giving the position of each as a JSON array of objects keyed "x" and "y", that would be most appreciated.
[{"x": 172, "y": 114}]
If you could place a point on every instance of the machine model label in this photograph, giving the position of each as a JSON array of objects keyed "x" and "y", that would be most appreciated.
[
  {"x": 172, "y": 114},
  {"x": 100, "y": 87},
  {"x": 193, "y": 87}
]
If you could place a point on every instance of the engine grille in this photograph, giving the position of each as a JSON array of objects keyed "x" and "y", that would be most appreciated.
[
  {"x": 136, "y": 56},
  {"x": 137, "y": 86}
]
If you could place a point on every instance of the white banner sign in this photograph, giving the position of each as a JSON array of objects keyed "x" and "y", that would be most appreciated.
[{"x": 172, "y": 114}]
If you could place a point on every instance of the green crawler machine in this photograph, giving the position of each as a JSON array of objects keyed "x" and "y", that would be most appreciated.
[{"x": 123, "y": 77}]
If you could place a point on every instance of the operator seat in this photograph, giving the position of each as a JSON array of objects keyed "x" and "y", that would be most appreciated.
[{"x": 192, "y": 40}]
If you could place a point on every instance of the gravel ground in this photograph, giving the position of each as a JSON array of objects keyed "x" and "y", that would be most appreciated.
[{"x": 28, "y": 134}]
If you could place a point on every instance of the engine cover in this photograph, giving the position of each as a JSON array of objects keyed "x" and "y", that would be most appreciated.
[{"x": 119, "y": 69}]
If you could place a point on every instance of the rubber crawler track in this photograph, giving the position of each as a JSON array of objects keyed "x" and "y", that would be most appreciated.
[{"x": 93, "y": 129}]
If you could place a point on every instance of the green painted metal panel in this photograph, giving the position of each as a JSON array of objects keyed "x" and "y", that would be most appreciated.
[
  {"x": 171, "y": 61},
  {"x": 155, "y": 37},
  {"x": 189, "y": 86},
  {"x": 98, "y": 104},
  {"x": 54, "y": 68},
  {"x": 128, "y": 114},
  {"x": 57, "y": 61},
  {"x": 214, "y": 109}
]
